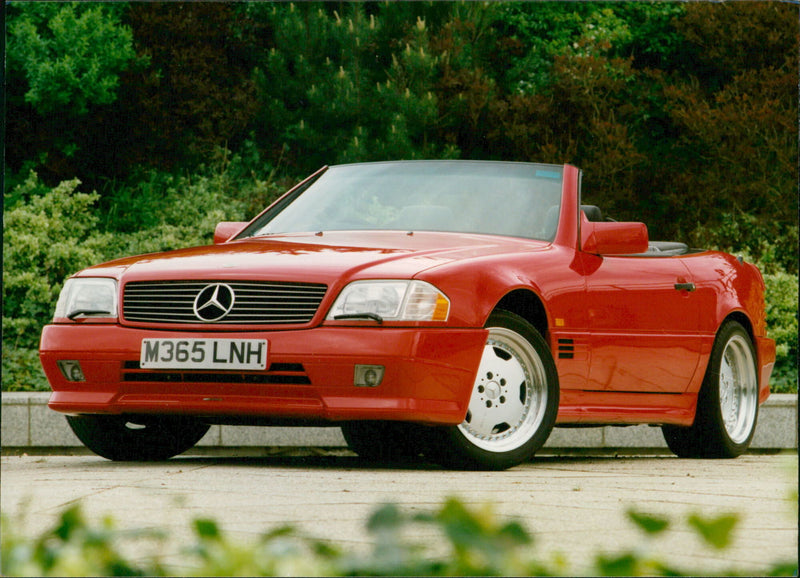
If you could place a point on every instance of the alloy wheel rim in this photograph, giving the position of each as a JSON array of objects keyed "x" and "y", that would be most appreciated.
[
  {"x": 509, "y": 396},
  {"x": 738, "y": 389}
]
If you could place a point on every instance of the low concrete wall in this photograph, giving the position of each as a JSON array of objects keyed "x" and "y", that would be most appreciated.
[{"x": 28, "y": 423}]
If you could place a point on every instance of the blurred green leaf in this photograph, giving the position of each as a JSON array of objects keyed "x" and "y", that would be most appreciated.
[
  {"x": 386, "y": 517},
  {"x": 483, "y": 545},
  {"x": 623, "y": 565},
  {"x": 207, "y": 529},
  {"x": 716, "y": 531},
  {"x": 71, "y": 521},
  {"x": 649, "y": 523}
]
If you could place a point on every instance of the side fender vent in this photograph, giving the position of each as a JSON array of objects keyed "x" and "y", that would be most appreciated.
[{"x": 566, "y": 349}]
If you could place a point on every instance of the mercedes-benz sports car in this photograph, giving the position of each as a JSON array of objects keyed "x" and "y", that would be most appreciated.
[{"x": 453, "y": 309}]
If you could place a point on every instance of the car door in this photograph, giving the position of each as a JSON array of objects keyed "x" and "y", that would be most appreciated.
[{"x": 643, "y": 324}]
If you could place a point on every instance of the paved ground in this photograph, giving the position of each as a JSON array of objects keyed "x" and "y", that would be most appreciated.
[{"x": 574, "y": 505}]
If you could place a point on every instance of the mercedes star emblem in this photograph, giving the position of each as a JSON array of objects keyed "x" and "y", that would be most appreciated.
[{"x": 214, "y": 302}]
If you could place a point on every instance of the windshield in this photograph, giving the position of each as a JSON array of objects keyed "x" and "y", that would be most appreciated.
[{"x": 498, "y": 198}]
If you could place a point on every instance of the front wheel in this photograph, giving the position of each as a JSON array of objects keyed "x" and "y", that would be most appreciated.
[
  {"x": 514, "y": 400},
  {"x": 727, "y": 406},
  {"x": 142, "y": 439}
]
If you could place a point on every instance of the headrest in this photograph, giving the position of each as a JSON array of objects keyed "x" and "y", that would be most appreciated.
[{"x": 592, "y": 213}]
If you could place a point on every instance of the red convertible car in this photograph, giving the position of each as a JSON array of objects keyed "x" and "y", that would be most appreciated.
[{"x": 453, "y": 309}]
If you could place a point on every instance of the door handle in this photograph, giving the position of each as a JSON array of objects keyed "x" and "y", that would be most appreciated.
[{"x": 684, "y": 286}]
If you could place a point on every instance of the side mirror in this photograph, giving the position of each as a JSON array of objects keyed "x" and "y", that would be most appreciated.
[
  {"x": 227, "y": 229},
  {"x": 611, "y": 238}
]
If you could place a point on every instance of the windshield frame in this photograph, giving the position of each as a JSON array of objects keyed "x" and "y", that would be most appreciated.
[{"x": 514, "y": 175}]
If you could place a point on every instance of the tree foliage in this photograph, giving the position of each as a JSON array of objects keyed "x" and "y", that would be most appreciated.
[
  {"x": 70, "y": 54},
  {"x": 682, "y": 115},
  {"x": 349, "y": 91},
  {"x": 198, "y": 92},
  {"x": 734, "y": 117},
  {"x": 65, "y": 62}
]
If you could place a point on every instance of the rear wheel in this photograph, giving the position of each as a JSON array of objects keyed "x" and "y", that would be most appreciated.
[
  {"x": 727, "y": 406},
  {"x": 514, "y": 400},
  {"x": 142, "y": 439}
]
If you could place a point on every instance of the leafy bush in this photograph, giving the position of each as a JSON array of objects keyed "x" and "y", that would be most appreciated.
[
  {"x": 22, "y": 370},
  {"x": 49, "y": 234},
  {"x": 161, "y": 211},
  {"x": 782, "y": 299},
  {"x": 45, "y": 240},
  {"x": 477, "y": 542}
]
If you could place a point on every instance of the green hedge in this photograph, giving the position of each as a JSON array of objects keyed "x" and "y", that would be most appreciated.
[{"x": 782, "y": 299}]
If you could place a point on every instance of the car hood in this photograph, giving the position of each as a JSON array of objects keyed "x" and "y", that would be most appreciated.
[{"x": 315, "y": 258}]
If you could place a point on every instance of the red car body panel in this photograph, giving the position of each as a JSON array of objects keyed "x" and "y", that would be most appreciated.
[
  {"x": 629, "y": 344},
  {"x": 428, "y": 375}
]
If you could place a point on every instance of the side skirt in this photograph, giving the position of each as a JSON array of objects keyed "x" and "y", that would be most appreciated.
[{"x": 625, "y": 408}]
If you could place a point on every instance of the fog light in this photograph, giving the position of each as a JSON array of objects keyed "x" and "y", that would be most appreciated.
[
  {"x": 368, "y": 375},
  {"x": 71, "y": 370}
]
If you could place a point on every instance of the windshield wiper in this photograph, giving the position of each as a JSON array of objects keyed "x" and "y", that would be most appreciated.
[
  {"x": 373, "y": 316},
  {"x": 80, "y": 312}
]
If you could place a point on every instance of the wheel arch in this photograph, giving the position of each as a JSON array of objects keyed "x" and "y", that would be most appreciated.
[
  {"x": 527, "y": 305},
  {"x": 738, "y": 316},
  {"x": 742, "y": 318},
  {"x": 723, "y": 428},
  {"x": 765, "y": 354}
]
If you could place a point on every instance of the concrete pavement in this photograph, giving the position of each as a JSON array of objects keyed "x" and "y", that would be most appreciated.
[
  {"x": 573, "y": 499},
  {"x": 573, "y": 505}
]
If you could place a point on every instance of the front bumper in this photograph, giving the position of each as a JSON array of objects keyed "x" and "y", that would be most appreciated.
[
  {"x": 310, "y": 376},
  {"x": 766, "y": 351}
]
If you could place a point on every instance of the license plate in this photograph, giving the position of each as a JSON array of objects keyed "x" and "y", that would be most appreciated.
[{"x": 192, "y": 353}]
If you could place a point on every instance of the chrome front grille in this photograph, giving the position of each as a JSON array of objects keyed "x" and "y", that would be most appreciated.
[{"x": 254, "y": 303}]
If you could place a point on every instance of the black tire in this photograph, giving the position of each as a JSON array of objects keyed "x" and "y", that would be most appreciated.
[
  {"x": 727, "y": 405},
  {"x": 385, "y": 440},
  {"x": 513, "y": 405},
  {"x": 120, "y": 438}
]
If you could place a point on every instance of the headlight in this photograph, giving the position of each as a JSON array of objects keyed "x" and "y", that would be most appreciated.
[
  {"x": 89, "y": 297},
  {"x": 391, "y": 301}
]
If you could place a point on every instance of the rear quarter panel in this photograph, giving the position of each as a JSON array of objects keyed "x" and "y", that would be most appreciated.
[
  {"x": 728, "y": 287},
  {"x": 725, "y": 286}
]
